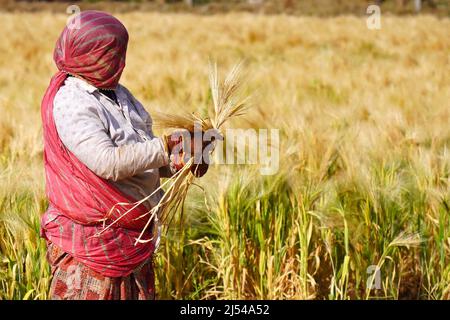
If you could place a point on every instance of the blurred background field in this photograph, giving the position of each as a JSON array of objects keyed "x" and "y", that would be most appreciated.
[
  {"x": 364, "y": 159},
  {"x": 207, "y": 7}
]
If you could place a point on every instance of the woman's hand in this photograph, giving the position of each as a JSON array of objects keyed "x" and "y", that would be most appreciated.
[{"x": 181, "y": 148}]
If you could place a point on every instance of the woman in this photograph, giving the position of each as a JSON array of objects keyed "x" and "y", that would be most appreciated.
[{"x": 99, "y": 150}]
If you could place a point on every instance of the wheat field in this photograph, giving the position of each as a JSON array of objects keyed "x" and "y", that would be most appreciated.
[{"x": 364, "y": 177}]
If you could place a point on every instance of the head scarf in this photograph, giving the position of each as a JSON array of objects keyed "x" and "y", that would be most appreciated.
[{"x": 93, "y": 46}]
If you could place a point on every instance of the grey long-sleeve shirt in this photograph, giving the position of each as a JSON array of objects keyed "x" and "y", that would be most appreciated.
[{"x": 114, "y": 140}]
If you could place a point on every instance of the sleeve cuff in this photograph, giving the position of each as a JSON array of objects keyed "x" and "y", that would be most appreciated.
[{"x": 164, "y": 150}]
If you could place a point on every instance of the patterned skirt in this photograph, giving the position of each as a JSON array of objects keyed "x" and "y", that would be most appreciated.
[{"x": 72, "y": 280}]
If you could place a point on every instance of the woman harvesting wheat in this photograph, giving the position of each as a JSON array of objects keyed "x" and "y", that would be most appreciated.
[{"x": 99, "y": 151}]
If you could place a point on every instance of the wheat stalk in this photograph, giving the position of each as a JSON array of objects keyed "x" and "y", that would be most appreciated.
[{"x": 226, "y": 105}]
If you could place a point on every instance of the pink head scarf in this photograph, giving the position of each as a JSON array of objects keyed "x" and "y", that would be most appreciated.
[
  {"x": 93, "y": 46},
  {"x": 95, "y": 52}
]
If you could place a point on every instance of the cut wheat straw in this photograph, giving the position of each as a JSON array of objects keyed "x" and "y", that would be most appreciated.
[{"x": 226, "y": 105}]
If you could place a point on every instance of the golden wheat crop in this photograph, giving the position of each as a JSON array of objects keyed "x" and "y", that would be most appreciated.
[{"x": 364, "y": 119}]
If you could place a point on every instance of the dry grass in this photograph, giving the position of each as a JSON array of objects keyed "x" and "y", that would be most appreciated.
[{"x": 365, "y": 164}]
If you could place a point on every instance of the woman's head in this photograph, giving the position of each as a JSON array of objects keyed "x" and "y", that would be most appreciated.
[{"x": 93, "y": 48}]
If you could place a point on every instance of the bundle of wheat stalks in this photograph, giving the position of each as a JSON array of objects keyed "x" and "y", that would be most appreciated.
[{"x": 226, "y": 105}]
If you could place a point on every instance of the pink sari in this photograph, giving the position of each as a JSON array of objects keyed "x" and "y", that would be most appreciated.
[{"x": 80, "y": 201}]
